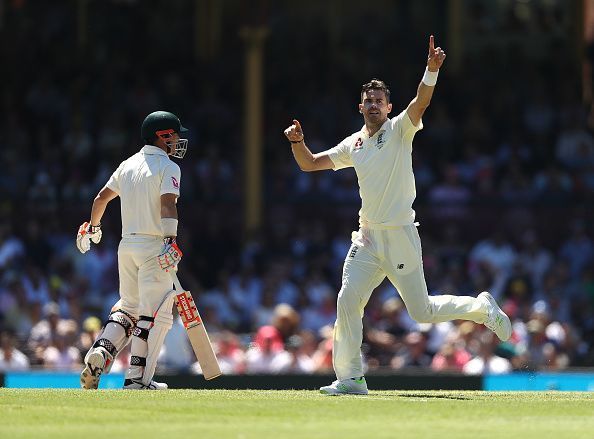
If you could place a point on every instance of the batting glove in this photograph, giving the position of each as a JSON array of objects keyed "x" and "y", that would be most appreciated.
[
  {"x": 86, "y": 234},
  {"x": 170, "y": 255}
]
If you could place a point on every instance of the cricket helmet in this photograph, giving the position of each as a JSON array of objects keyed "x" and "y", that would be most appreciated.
[{"x": 163, "y": 124}]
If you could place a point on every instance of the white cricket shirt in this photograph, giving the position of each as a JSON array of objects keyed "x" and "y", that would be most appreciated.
[
  {"x": 383, "y": 164},
  {"x": 140, "y": 181}
]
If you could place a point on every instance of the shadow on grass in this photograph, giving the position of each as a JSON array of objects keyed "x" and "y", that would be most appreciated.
[{"x": 429, "y": 396}]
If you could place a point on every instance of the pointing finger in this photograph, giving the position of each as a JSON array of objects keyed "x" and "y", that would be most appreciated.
[{"x": 431, "y": 44}]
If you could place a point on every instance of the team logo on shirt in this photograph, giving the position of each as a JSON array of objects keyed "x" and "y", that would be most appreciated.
[
  {"x": 175, "y": 182},
  {"x": 353, "y": 251},
  {"x": 358, "y": 144},
  {"x": 380, "y": 140}
]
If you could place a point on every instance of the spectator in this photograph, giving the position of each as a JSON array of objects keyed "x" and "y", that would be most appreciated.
[
  {"x": 450, "y": 359},
  {"x": 90, "y": 330},
  {"x": 230, "y": 353},
  {"x": 536, "y": 341},
  {"x": 385, "y": 337},
  {"x": 320, "y": 314},
  {"x": 578, "y": 250},
  {"x": 518, "y": 287},
  {"x": 322, "y": 358},
  {"x": 245, "y": 292},
  {"x": 293, "y": 360},
  {"x": 35, "y": 285},
  {"x": 263, "y": 353},
  {"x": 515, "y": 186},
  {"x": 62, "y": 354},
  {"x": 45, "y": 331},
  {"x": 486, "y": 362},
  {"x": 11, "y": 290},
  {"x": 413, "y": 354},
  {"x": 11, "y": 359},
  {"x": 497, "y": 256},
  {"x": 553, "y": 360},
  {"x": 450, "y": 196},
  {"x": 219, "y": 298},
  {"x": 553, "y": 185},
  {"x": 534, "y": 258},
  {"x": 11, "y": 247},
  {"x": 575, "y": 145}
]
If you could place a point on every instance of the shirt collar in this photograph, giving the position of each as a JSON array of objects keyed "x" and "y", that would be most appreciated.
[
  {"x": 384, "y": 127},
  {"x": 152, "y": 150}
]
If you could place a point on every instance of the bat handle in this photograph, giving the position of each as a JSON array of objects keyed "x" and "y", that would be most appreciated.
[{"x": 176, "y": 283}]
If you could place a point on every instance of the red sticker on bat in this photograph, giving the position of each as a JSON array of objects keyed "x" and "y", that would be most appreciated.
[{"x": 187, "y": 309}]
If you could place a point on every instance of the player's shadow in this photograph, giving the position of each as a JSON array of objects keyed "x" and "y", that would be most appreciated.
[{"x": 429, "y": 396}]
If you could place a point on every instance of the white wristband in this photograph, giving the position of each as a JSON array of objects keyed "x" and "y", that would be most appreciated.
[
  {"x": 430, "y": 78},
  {"x": 169, "y": 226}
]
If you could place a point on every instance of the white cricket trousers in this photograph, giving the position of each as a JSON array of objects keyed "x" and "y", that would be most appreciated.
[
  {"x": 143, "y": 284},
  {"x": 396, "y": 253}
]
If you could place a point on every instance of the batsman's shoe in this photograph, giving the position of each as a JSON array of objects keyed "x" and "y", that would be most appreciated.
[
  {"x": 94, "y": 364},
  {"x": 352, "y": 386},
  {"x": 497, "y": 321},
  {"x": 138, "y": 385}
]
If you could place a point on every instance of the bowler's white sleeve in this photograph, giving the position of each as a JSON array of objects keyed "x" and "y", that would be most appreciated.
[
  {"x": 405, "y": 127},
  {"x": 341, "y": 154},
  {"x": 171, "y": 179},
  {"x": 113, "y": 182}
]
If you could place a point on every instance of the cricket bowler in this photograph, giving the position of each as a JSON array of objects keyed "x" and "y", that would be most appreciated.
[
  {"x": 387, "y": 242},
  {"x": 148, "y": 184}
]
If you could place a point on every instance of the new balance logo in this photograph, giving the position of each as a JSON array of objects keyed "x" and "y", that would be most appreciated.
[
  {"x": 380, "y": 140},
  {"x": 400, "y": 266},
  {"x": 353, "y": 251}
]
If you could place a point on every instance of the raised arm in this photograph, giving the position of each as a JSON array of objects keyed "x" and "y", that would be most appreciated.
[
  {"x": 306, "y": 160},
  {"x": 421, "y": 101}
]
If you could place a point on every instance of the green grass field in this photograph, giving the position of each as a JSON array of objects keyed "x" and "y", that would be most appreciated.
[{"x": 294, "y": 414}]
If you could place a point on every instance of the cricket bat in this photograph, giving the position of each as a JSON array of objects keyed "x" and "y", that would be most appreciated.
[{"x": 196, "y": 331}]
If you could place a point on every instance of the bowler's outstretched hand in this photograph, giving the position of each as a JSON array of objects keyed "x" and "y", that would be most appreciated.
[
  {"x": 436, "y": 56},
  {"x": 294, "y": 133}
]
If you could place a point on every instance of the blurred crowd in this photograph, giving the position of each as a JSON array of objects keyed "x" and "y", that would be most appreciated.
[{"x": 504, "y": 170}]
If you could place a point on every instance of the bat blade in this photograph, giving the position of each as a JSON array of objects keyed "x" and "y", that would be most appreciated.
[
  {"x": 204, "y": 352},
  {"x": 198, "y": 336}
]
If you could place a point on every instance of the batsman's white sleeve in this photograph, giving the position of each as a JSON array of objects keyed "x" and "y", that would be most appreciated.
[
  {"x": 113, "y": 182},
  {"x": 171, "y": 179}
]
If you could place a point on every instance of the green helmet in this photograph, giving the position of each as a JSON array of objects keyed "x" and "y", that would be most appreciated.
[{"x": 163, "y": 121}]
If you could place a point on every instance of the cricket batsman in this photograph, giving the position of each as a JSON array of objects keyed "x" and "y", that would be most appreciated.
[
  {"x": 148, "y": 184},
  {"x": 387, "y": 242}
]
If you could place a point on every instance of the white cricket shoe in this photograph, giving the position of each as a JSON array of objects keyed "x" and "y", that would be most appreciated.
[
  {"x": 352, "y": 386},
  {"x": 138, "y": 385},
  {"x": 94, "y": 364},
  {"x": 497, "y": 321}
]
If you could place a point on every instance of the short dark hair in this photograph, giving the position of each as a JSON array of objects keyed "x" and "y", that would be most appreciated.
[{"x": 376, "y": 84}]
